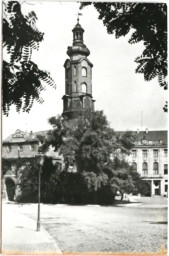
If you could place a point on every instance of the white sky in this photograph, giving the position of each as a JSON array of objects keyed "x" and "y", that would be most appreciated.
[{"x": 118, "y": 91}]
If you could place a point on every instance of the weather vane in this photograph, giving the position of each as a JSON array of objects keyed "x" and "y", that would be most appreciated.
[{"x": 78, "y": 14}]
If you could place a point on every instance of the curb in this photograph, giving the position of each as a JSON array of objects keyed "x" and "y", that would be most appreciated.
[{"x": 42, "y": 228}]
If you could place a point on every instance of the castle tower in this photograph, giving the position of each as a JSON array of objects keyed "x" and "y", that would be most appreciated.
[{"x": 78, "y": 77}]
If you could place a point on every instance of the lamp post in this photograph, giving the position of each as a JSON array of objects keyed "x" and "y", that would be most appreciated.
[{"x": 41, "y": 160}]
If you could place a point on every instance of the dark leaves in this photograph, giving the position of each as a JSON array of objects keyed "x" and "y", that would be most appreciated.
[
  {"x": 20, "y": 32},
  {"x": 147, "y": 22},
  {"x": 22, "y": 79},
  {"x": 21, "y": 88}
]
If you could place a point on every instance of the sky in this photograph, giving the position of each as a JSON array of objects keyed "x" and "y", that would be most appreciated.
[{"x": 121, "y": 93}]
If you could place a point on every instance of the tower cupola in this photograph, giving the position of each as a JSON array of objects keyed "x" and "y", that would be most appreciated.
[
  {"x": 78, "y": 46},
  {"x": 78, "y": 34}
]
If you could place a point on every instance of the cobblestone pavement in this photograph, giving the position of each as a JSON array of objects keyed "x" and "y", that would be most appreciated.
[
  {"x": 82, "y": 229},
  {"x": 19, "y": 235}
]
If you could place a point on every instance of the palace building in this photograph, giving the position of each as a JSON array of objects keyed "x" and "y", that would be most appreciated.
[{"x": 148, "y": 156}]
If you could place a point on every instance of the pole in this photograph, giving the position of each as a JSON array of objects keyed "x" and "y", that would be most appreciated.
[
  {"x": 39, "y": 185},
  {"x": 141, "y": 119}
]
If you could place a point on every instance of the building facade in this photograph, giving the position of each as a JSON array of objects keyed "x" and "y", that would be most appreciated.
[
  {"x": 150, "y": 158},
  {"x": 18, "y": 150}
]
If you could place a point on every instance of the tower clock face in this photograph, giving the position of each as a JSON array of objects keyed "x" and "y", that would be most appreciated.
[{"x": 68, "y": 65}]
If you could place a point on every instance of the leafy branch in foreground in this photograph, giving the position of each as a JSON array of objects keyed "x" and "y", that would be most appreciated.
[
  {"x": 22, "y": 79},
  {"x": 147, "y": 22}
]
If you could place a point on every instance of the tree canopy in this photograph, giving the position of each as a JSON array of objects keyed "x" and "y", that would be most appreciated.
[
  {"x": 145, "y": 22},
  {"x": 22, "y": 79},
  {"x": 94, "y": 150}
]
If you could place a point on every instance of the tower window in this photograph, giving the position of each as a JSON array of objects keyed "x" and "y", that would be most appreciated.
[
  {"x": 67, "y": 89},
  {"x": 74, "y": 71},
  {"x": 75, "y": 87},
  {"x": 84, "y": 88},
  {"x": 145, "y": 168},
  {"x": 155, "y": 168},
  {"x": 84, "y": 71},
  {"x": 68, "y": 73},
  {"x": 65, "y": 104},
  {"x": 76, "y": 35}
]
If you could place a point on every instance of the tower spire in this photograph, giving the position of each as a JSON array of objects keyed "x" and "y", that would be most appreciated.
[{"x": 78, "y": 14}]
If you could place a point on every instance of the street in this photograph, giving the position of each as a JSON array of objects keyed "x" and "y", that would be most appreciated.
[{"x": 93, "y": 228}]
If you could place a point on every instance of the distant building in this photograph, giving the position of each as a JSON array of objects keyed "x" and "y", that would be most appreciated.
[
  {"x": 150, "y": 158},
  {"x": 19, "y": 149}
]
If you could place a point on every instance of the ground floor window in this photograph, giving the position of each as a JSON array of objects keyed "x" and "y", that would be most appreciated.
[
  {"x": 166, "y": 169},
  {"x": 166, "y": 188}
]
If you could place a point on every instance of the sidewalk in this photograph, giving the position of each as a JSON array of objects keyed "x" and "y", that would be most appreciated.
[{"x": 19, "y": 235}]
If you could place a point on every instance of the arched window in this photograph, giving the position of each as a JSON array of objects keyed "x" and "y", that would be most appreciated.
[
  {"x": 74, "y": 71},
  {"x": 145, "y": 168},
  {"x": 74, "y": 87},
  {"x": 155, "y": 168},
  {"x": 68, "y": 72},
  {"x": 134, "y": 165},
  {"x": 84, "y": 71},
  {"x": 76, "y": 35},
  {"x": 65, "y": 104},
  {"x": 67, "y": 89},
  {"x": 80, "y": 35},
  {"x": 84, "y": 88}
]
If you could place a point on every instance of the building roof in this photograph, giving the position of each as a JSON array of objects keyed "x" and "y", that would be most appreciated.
[
  {"x": 23, "y": 136},
  {"x": 154, "y": 136},
  {"x": 151, "y": 136}
]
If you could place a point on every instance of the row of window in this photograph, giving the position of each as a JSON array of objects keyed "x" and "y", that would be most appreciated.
[
  {"x": 20, "y": 148},
  {"x": 75, "y": 88},
  {"x": 145, "y": 153},
  {"x": 78, "y": 35},
  {"x": 82, "y": 103},
  {"x": 155, "y": 168},
  {"x": 84, "y": 71}
]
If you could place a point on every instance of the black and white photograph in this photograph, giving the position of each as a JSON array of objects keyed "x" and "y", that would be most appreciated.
[{"x": 84, "y": 128}]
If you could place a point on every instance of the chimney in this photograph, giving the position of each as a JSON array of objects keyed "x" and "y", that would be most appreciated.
[{"x": 146, "y": 130}]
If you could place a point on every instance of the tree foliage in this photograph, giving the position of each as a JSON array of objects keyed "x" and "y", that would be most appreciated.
[
  {"x": 145, "y": 22},
  {"x": 28, "y": 181},
  {"x": 22, "y": 79},
  {"x": 89, "y": 144}
]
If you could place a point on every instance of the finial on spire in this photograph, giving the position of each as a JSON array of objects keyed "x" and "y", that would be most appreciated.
[{"x": 78, "y": 14}]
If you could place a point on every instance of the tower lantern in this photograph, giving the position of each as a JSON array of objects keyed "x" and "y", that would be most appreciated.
[
  {"x": 78, "y": 76},
  {"x": 78, "y": 34}
]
